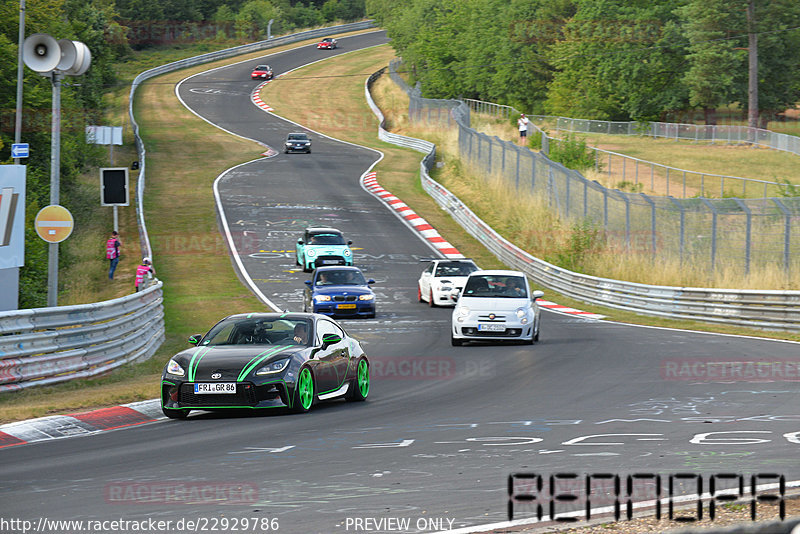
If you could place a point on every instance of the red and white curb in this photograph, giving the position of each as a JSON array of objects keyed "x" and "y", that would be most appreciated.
[
  {"x": 255, "y": 98},
  {"x": 569, "y": 311},
  {"x": 80, "y": 424},
  {"x": 422, "y": 226}
]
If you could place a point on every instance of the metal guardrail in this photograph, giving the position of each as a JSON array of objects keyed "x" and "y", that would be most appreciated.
[
  {"x": 627, "y": 167},
  {"x": 777, "y": 310},
  {"x": 49, "y": 345}
]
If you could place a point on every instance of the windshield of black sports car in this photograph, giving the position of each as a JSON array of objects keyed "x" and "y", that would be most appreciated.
[
  {"x": 455, "y": 268},
  {"x": 326, "y": 239},
  {"x": 495, "y": 286},
  {"x": 259, "y": 331},
  {"x": 297, "y": 137}
]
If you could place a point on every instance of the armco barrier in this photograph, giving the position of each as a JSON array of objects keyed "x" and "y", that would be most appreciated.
[
  {"x": 775, "y": 310},
  {"x": 49, "y": 345}
]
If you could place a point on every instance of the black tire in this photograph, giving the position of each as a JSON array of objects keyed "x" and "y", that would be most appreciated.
[
  {"x": 285, "y": 151},
  {"x": 456, "y": 342},
  {"x": 301, "y": 402},
  {"x": 308, "y": 151},
  {"x": 175, "y": 414},
  {"x": 356, "y": 392}
]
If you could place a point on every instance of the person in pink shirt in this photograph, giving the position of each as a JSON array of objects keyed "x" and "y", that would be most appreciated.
[{"x": 142, "y": 271}]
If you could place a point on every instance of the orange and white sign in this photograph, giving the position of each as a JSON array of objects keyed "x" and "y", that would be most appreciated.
[{"x": 54, "y": 223}]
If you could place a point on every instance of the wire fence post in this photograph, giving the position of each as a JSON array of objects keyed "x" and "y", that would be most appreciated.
[
  {"x": 682, "y": 228},
  {"x": 787, "y": 234},
  {"x": 749, "y": 228},
  {"x": 713, "y": 210},
  {"x": 652, "y": 223}
]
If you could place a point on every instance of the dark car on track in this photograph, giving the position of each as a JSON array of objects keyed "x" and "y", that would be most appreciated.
[
  {"x": 339, "y": 291},
  {"x": 261, "y": 72},
  {"x": 265, "y": 360},
  {"x": 328, "y": 43},
  {"x": 297, "y": 142}
]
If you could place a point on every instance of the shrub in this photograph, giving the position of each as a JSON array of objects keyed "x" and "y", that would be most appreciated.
[{"x": 572, "y": 152}]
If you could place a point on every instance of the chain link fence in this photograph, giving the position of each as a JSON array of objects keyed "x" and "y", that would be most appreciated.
[
  {"x": 739, "y": 235},
  {"x": 634, "y": 173}
]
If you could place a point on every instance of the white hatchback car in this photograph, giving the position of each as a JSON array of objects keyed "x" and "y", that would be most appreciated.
[
  {"x": 496, "y": 306},
  {"x": 443, "y": 278}
]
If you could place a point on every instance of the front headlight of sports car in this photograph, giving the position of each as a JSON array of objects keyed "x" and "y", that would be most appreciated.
[
  {"x": 174, "y": 368},
  {"x": 322, "y": 298},
  {"x": 366, "y": 297},
  {"x": 347, "y": 252},
  {"x": 274, "y": 367},
  {"x": 462, "y": 311},
  {"x": 522, "y": 314},
  {"x": 311, "y": 253},
  {"x": 288, "y": 143}
]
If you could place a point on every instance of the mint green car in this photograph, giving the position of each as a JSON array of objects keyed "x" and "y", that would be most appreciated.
[{"x": 323, "y": 246}]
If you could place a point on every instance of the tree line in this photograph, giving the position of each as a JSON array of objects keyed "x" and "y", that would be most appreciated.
[
  {"x": 600, "y": 59},
  {"x": 113, "y": 30}
]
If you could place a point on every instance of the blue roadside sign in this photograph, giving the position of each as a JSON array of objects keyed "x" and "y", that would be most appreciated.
[{"x": 20, "y": 150}]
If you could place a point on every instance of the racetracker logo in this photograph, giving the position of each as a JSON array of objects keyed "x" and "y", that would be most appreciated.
[
  {"x": 731, "y": 370},
  {"x": 8, "y": 208},
  {"x": 177, "y": 492}
]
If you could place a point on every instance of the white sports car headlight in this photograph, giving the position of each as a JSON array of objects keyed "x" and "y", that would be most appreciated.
[
  {"x": 311, "y": 253},
  {"x": 366, "y": 297},
  {"x": 347, "y": 252},
  {"x": 462, "y": 311},
  {"x": 522, "y": 314},
  {"x": 322, "y": 298}
]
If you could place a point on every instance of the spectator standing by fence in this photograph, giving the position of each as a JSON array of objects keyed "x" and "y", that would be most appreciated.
[
  {"x": 113, "y": 245},
  {"x": 522, "y": 124},
  {"x": 145, "y": 270}
]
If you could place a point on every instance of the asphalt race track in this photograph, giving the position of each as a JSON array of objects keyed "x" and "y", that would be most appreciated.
[{"x": 444, "y": 426}]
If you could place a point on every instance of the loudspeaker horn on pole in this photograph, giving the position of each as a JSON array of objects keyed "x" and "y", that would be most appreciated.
[
  {"x": 41, "y": 53},
  {"x": 75, "y": 57}
]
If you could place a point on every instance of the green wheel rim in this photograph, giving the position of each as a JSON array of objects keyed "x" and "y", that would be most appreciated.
[
  {"x": 363, "y": 378},
  {"x": 305, "y": 385}
]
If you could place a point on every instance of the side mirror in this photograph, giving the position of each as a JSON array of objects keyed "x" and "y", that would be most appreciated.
[
  {"x": 194, "y": 339},
  {"x": 330, "y": 339},
  {"x": 349, "y": 242},
  {"x": 300, "y": 241},
  {"x": 454, "y": 294},
  {"x": 308, "y": 283},
  {"x": 537, "y": 295},
  {"x": 371, "y": 281}
]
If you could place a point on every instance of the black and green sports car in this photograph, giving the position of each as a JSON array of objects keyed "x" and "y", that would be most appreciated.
[{"x": 265, "y": 360}]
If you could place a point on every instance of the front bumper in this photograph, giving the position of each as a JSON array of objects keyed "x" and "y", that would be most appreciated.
[
  {"x": 358, "y": 308},
  {"x": 180, "y": 395},
  {"x": 320, "y": 261},
  {"x": 476, "y": 330},
  {"x": 298, "y": 148}
]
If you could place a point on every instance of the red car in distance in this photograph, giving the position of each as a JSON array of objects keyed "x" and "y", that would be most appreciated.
[
  {"x": 261, "y": 72},
  {"x": 328, "y": 43}
]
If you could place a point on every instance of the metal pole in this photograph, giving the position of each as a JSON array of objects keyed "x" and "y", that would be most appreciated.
[
  {"x": 20, "y": 75},
  {"x": 55, "y": 168},
  {"x": 747, "y": 240}
]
